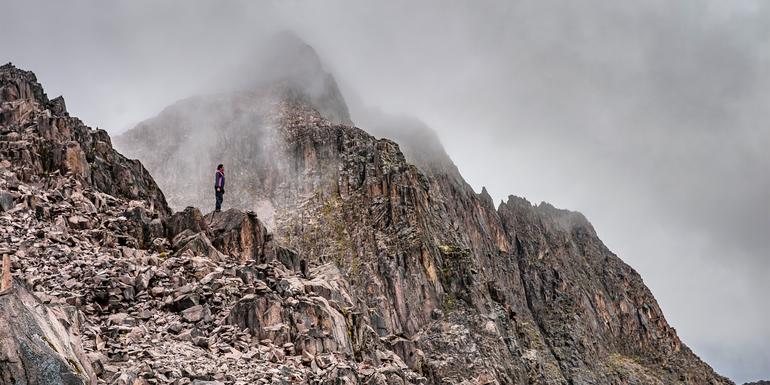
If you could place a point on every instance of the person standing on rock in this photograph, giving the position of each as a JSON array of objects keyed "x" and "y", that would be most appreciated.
[{"x": 219, "y": 187}]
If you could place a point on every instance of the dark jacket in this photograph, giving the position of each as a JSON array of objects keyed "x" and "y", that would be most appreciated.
[{"x": 219, "y": 181}]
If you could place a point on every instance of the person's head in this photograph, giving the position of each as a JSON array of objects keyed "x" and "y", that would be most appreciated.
[{"x": 221, "y": 167}]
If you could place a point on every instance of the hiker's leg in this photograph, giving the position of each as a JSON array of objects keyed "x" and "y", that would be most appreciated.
[{"x": 219, "y": 201}]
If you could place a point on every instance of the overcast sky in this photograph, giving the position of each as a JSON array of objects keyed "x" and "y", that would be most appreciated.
[{"x": 652, "y": 117}]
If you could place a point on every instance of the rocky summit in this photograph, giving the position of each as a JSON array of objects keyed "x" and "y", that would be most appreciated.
[{"x": 343, "y": 262}]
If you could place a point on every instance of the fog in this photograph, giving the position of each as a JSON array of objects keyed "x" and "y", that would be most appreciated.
[{"x": 652, "y": 118}]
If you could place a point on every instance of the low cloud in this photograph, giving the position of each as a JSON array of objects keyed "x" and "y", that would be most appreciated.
[{"x": 651, "y": 118}]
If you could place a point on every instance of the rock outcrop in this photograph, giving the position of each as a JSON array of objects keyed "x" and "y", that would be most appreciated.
[
  {"x": 461, "y": 290},
  {"x": 42, "y": 139}
]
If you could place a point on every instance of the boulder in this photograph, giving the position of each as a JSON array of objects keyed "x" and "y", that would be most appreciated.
[
  {"x": 6, "y": 200},
  {"x": 188, "y": 219},
  {"x": 36, "y": 347},
  {"x": 238, "y": 234},
  {"x": 196, "y": 244}
]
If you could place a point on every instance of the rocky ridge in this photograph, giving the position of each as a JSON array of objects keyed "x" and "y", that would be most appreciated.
[
  {"x": 463, "y": 291},
  {"x": 117, "y": 289},
  {"x": 377, "y": 271}
]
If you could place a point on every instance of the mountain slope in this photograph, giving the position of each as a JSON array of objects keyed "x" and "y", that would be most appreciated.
[
  {"x": 109, "y": 286},
  {"x": 518, "y": 294}
]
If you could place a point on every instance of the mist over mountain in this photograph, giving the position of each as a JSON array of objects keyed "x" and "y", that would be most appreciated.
[
  {"x": 188, "y": 138},
  {"x": 648, "y": 117},
  {"x": 420, "y": 249}
]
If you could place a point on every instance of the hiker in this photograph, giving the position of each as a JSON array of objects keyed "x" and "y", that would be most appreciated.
[{"x": 219, "y": 186}]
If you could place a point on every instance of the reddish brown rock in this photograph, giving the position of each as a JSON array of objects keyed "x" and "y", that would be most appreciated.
[
  {"x": 238, "y": 234},
  {"x": 154, "y": 294},
  {"x": 188, "y": 219},
  {"x": 43, "y": 139},
  {"x": 378, "y": 270},
  {"x": 517, "y": 294}
]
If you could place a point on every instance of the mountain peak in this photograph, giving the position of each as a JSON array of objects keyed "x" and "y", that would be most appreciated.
[
  {"x": 293, "y": 55},
  {"x": 20, "y": 85},
  {"x": 290, "y": 65}
]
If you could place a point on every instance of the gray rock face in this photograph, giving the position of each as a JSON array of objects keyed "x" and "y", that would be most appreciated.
[{"x": 35, "y": 345}]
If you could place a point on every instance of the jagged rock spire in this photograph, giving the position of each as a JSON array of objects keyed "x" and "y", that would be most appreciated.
[{"x": 40, "y": 139}]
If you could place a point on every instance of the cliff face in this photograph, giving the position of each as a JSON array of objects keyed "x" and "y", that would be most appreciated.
[{"x": 459, "y": 289}]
